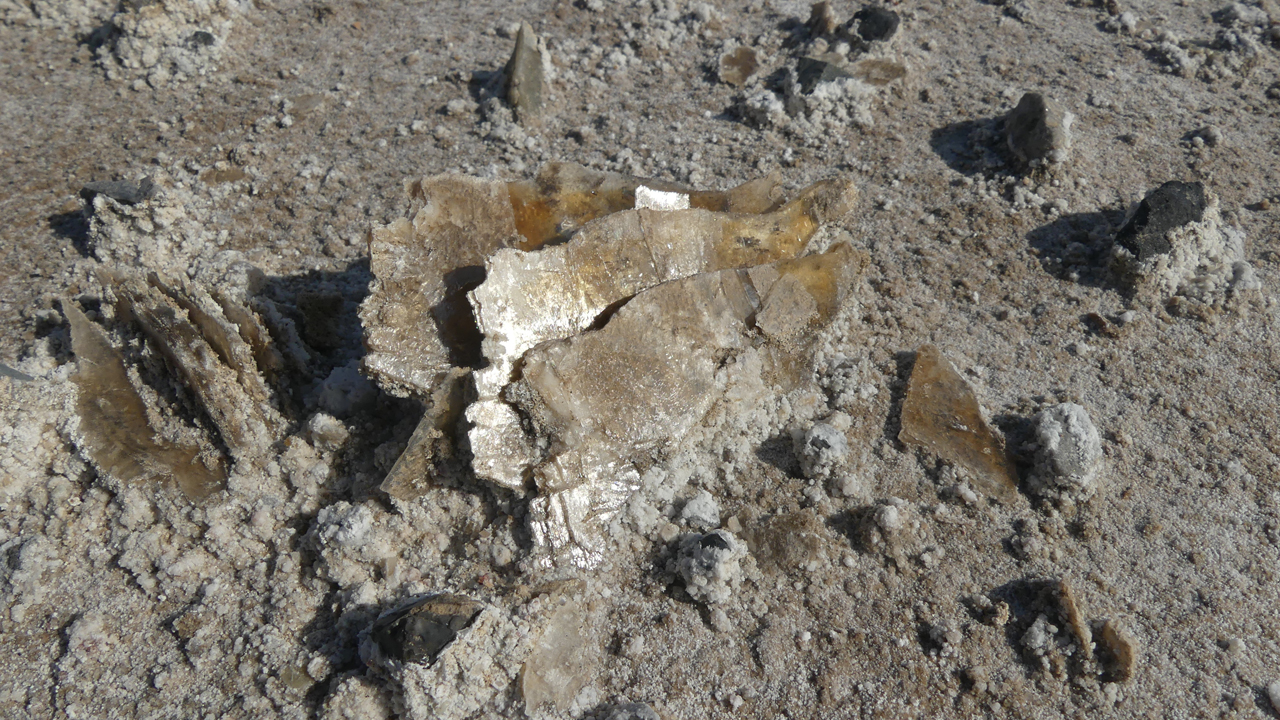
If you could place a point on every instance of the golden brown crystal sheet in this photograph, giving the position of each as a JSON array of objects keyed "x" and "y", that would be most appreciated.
[
  {"x": 432, "y": 442},
  {"x": 942, "y": 414},
  {"x": 113, "y": 419}
]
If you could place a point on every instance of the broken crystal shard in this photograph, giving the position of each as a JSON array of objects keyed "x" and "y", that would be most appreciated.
[
  {"x": 528, "y": 298},
  {"x": 942, "y": 414},
  {"x": 608, "y": 398},
  {"x": 113, "y": 419},
  {"x": 501, "y": 451},
  {"x": 417, "y": 320},
  {"x": 738, "y": 65},
  {"x": 1039, "y": 130},
  {"x": 560, "y": 663},
  {"x": 874, "y": 71},
  {"x": 481, "y": 662},
  {"x": 1073, "y": 611},
  {"x": 206, "y": 349},
  {"x": 822, "y": 20},
  {"x": 419, "y": 631},
  {"x": 524, "y": 84}
]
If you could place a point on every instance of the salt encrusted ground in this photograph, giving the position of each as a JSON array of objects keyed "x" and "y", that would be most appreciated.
[{"x": 290, "y": 135}]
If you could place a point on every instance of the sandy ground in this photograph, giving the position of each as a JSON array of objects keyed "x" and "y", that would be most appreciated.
[{"x": 286, "y": 132}]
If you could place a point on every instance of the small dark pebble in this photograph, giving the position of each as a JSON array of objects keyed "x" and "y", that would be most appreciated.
[
  {"x": 419, "y": 631},
  {"x": 122, "y": 191},
  {"x": 876, "y": 23},
  {"x": 810, "y": 71},
  {"x": 1169, "y": 206},
  {"x": 200, "y": 39}
]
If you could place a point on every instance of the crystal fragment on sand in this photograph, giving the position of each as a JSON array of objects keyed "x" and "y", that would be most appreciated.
[
  {"x": 432, "y": 443},
  {"x": 1121, "y": 651},
  {"x": 6, "y": 371},
  {"x": 942, "y": 414},
  {"x": 738, "y": 65},
  {"x": 603, "y": 323},
  {"x": 420, "y": 631},
  {"x": 533, "y": 297},
  {"x": 524, "y": 83},
  {"x": 114, "y": 433}
]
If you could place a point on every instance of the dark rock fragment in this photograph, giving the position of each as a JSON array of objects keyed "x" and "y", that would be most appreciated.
[
  {"x": 874, "y": 24},
  {"x": 1039, "y": 130},
  {"x": 1169, "y": 206},
  {"x": 418, "y": 632},
  {"x": 122, "y": 191},
  {"x": 812, "y": 71},
  {"x": 713, "y": 540},
  {"x": 200, "y": 39}
]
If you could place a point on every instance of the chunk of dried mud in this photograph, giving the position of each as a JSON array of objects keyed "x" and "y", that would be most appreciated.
[
  {"x": 606, "y": 401},
  {"x": 418, "y": 322},
  {"x": 114, "y": 433},
  {"x": 941, "y": 414}
]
